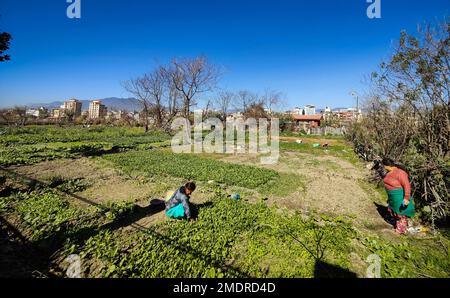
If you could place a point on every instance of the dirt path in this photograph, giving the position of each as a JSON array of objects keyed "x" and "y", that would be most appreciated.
[
  {"x": 334, "y": 186},
  {"x": 106, "y": 184},
  {"x": 310, "y": 140}
]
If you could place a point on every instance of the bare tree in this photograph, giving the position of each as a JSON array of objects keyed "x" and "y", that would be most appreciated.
[
  {"x": 244, "y": 99},
  {"x": 255, "y": 110},
  {"x": 271, "y": 99},
  {"x": 173, "y": 101},
  {"x": 138, "y": 87},
  {"x": 223, "y": 101},
  {"x": 16, "y": 116},
  {"x": 192, "y": 77},
  {"x": 409, "y": 115},
  {"x": 206, "y": 111}
]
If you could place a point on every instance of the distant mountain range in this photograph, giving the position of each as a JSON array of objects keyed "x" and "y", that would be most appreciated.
[{"x": 112, "y": 103}]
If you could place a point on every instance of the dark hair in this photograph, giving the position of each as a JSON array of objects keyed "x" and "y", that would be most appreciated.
[
  {"x": 190, "y": 185},
  {"x": 391, "y": 163}
]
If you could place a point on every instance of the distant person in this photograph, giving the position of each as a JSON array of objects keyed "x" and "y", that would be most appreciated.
[
  {"x": 398, "y": 188},
  {"x": 177, "y": 206}
]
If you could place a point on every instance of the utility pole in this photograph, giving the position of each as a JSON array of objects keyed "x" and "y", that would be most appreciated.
[{"x": 355, "y": 94}]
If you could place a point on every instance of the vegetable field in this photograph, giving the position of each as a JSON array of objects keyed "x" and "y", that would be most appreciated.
[{"x": 94, "y": 193}]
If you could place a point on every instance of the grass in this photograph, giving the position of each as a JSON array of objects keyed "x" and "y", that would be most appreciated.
[{"x": 340, "y": 150}]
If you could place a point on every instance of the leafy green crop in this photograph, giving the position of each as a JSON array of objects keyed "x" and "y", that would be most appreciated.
[
  {"x": 190, "y": 166},
  {"x": 46, "y": 213},
  {"x": 230, "y": 238},
  {"x": 34, "y": 144}
]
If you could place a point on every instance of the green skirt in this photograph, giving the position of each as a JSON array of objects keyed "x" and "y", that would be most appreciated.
[
  {"x": 176, "y": 212},
  {"x": 395, "y": 200}
]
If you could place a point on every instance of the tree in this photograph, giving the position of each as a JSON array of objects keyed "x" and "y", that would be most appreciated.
[
  {"x": 192, "y": 77},
  {"x": 158, "y": 96},
  {"x": 223, "y": 101},
  {"x": 16, "y": 116},
  {"x": 255, "y": 110},
  {"x": 271, "y": 99},
  {"x": 409, "y": 114},
  {"x": 5, "y": 39},
  {"x": 244, "y": 99},
  {"x": 149, "y": 90}
]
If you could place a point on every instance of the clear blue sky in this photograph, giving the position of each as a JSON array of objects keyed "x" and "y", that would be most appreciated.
[{"x": 313, "y": 51}]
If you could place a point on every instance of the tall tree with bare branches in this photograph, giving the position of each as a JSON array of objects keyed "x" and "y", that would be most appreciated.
[
  {"x": 192, "y": 77},
  {"x": 223, "y": 102},
  {"x": 138, "y": 87},
  {"x": 271, "y": 99},
  {"x": 244, "y": 99}
]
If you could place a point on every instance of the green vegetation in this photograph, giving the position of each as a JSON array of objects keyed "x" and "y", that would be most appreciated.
[
  {"x": 52, "y": 134},
  {"x": 229, "y": 238},
  {"x": 46, "y": 213},
  {"x": 191, "y": 166},
  {"x": 34, "y": 144},
  {"x": 340, "y": 150},
  {"x": 235, "y": 238}
]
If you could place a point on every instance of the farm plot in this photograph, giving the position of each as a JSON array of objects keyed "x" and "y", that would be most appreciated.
[
  {"x": 36, "y": 144},
  {"x": 192, "y": 166},
  {"x": 228, "y": 239},
  {"x": 261, "y": 237}
]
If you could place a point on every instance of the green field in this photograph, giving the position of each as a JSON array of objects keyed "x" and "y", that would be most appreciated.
[{"x": 87, "y": 191}]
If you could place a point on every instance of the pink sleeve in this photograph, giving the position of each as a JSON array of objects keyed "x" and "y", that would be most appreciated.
[{"x": 404, "y": 181}]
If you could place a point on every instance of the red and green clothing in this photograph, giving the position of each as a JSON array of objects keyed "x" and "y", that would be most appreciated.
[{"x": 398, "y": 189}]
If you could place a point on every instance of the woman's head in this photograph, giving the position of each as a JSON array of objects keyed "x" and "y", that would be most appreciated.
[
  {"x": 189, "y": 187},
  {"x": 389, "y": 164}
]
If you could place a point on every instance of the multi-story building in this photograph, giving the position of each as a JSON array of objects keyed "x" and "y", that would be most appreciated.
[
  {"x": 310, "y": 110},
  {"x": 38, "y": 113},
  {"x": 307, "y": 110},
  {"x": 72, "y": 106},
  {"x": 56, "y": 113},
  {"x": 97, "y": 110}
]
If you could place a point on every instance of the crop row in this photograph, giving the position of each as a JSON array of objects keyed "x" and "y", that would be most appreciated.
[
  {"x": 30, "y": 154},
  {"x": 51, "y": 134},
  {"x": 191, "y": 166},
  {"x": 229, "y": 238}
]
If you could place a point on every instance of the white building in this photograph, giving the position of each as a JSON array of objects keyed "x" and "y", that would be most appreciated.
[
  {"x": 310, "y": 110},
  {"x": 297, "y": 111},
  {"x": 97, "y": 110},
  {"x": 39, "y": 113},
  {"x": 307, "y": 110}
]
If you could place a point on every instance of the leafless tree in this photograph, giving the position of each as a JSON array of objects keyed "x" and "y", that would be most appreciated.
[
  {"x": 244, "y": 99},
  {"x": 223, "y": 102},
  {"x": 151, "y": 90},
  {"x": 206, "y": 111},
  {"x": 271, "y": 99},
  {"x": 138, "y": 87},
  {"x": 255, "y": 110},
  {"x": 14, "y": 117},
  {"x": 192, "y": 77}
]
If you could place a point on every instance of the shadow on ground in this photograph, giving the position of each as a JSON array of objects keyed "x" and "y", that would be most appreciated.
[
  {"x": 385, "y": 214},
  {"x": 35, "y": 258},
  {"x": 325, "y": 270}
]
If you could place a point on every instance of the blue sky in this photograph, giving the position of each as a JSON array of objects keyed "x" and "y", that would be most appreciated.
[{"x": 313, "y": 51}]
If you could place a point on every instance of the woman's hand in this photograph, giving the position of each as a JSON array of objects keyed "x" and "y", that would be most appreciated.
[{"x": 405, "y": 202}]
